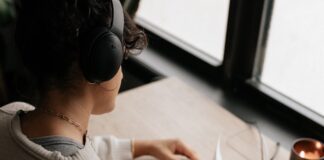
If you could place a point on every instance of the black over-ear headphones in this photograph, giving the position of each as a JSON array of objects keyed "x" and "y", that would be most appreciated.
[{"x": 101, "y": 48}]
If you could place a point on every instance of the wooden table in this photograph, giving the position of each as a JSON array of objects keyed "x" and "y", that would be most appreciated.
[{"x": 170, "y": 109}]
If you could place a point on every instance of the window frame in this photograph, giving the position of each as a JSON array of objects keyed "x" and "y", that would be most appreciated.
[
  {"x": 255, "y": 80},
  {"x": 246, "y": 79}
]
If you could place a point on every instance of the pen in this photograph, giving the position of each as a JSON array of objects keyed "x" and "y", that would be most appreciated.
[{"x": 218, "y": 154}]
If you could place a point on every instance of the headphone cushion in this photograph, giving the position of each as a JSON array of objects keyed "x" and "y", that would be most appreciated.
[{"x": 104, "y": 58}]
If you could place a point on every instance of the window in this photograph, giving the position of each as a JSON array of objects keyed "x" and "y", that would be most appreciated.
[
  {"x": 273, "y": 51},
  {"x": 293, "y": 62},
  {"x": 198, "y": 27}
]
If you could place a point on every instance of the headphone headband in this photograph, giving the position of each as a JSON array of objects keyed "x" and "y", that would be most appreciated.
[{"x": 117, "y": 25}]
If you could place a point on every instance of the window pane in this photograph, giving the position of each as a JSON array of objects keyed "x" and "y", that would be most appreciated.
[
  {"x": 294, "y": 57},
  {"x": 194, "y": 25}
]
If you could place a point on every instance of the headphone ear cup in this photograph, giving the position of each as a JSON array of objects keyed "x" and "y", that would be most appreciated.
[
  {"x": 102, "y": 58},
  {"x": 101, "y": 48}
]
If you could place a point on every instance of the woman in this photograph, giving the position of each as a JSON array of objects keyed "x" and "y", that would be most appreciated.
[{"x": 58, "y": 40}]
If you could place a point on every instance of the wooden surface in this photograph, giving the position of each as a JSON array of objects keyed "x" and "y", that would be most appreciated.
[{"x": 171, "y": 109}]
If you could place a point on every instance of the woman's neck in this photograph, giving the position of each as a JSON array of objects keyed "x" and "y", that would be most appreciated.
[{"x": 40, "y": 122}]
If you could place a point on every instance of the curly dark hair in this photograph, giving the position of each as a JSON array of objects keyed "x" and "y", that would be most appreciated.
[{"x": 47, "y": 37}]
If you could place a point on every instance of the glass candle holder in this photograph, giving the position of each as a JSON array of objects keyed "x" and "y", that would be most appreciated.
[{"x": 307, "y": 149}]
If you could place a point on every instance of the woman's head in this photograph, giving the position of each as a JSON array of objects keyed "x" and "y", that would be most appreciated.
[{"x": 48, "y": 38}]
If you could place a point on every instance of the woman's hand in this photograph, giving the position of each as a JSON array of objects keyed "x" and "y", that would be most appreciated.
[{"x": 168, "y": 149}]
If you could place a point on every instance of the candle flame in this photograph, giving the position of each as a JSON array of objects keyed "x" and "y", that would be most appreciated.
[
  {"x": 318, "y": 145},
  {"x": 302, "y": 154}
]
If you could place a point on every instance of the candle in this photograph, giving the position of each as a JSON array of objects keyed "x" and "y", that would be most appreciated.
[
  {"x": 307, "y": 149},
  {"x": 310, "y": 155}
]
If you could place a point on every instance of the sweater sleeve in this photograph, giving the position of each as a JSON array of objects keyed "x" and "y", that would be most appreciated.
[{"x": 112, "y": 148}]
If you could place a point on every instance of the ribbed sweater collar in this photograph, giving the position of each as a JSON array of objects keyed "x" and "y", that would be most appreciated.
[{"x": 39, "y": 152}]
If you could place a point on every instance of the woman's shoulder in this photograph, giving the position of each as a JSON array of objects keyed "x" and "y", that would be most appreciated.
[
  {"x": 13, "y": 107},
  {"x": 9, "y": 111}
]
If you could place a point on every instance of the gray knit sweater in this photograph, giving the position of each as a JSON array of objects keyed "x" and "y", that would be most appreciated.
[{"x": 14, "y": 145}]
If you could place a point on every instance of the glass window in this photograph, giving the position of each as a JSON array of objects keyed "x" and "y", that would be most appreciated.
[
  {"x": 294, "y": 54},
  {"x": 196, "y": 26}
]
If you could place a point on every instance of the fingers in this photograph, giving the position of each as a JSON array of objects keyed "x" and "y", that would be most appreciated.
[
  {"x": 183, "y": 149},
  {"x": 167, "y": 154},
  {"x": 172, "y": 156},
  {"x": 171, "y": 149}
]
